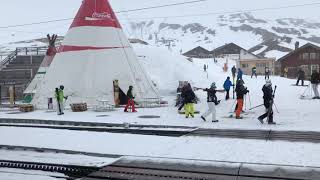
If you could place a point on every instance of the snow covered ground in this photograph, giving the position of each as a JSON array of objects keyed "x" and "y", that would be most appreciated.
[
  {"x": 294, "y": 113},
  {"x": 196, "y": 148}
]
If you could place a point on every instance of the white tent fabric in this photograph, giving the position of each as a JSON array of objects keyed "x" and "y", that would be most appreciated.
[{"x": 90, "y": 58}]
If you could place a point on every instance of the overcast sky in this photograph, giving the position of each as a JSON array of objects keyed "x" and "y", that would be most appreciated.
[{"x": 14, "y": 12}]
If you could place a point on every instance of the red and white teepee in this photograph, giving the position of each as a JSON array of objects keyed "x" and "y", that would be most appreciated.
[
  {"x": 51, "y": 52},
  {"x": 94, "y": 53}
]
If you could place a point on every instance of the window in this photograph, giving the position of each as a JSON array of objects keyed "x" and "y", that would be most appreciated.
[
  {"x": 313, "y": 56},
  {"x": 245, "y": 65},
  {"x": 314, "y": 67},
  {"x": 305, "y": 56},
  {"x": 261, "y": 65}
]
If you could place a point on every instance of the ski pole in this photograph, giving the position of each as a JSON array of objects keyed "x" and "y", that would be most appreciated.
[
  {"x": 232, "y": 110},
  {"x": 276, "y": 108},
  {"x": 256, "y": 107},
  {"x": 249, "y": 100}
]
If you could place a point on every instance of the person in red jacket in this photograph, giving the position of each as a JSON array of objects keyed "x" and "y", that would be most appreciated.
[{"x": 130, "y": 100}]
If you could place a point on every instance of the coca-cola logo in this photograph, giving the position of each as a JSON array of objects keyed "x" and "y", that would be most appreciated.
[{"x": 102, "y": 16}]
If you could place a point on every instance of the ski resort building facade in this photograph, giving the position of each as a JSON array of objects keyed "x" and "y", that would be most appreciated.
[
  {"x": 306, "y": 57},
  {"x": 248, "y": 60}
]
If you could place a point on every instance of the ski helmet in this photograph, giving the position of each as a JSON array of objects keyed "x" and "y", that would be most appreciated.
[
  {"x": 62, "y": 87},
  {"x": 268, "y": 82},
  {"x": 213, "y": 85}
]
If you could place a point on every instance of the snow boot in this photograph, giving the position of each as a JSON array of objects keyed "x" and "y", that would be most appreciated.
[
  {"x": 215, "y": 121},
  {"x": 260, "y": 119},
  {"x": 239, "y": 117},
  {"x": 272, "y": 123},
  {"x": 203, "y": 118}
]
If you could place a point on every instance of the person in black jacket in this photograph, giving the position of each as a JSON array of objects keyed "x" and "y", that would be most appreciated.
[
  {"x": 189, "y": 99},
  {"x": 301, "y": 76},
  {"x": 212, "y": 102},
  {"x": 241, "y": 91},
  {"x": 315, "y": 80},
  {"x": 234, "y": 72},
  {"x": 130, "y": 100},
  {"x": 268, "y": 102}
]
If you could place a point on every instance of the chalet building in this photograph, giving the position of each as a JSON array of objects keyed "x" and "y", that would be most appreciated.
[
  {"x": 306, "y": 57},
  {"x": 198, "y": 52},
  {"x": 249, "y": 60},
  {"x": 228, "y": 50}
]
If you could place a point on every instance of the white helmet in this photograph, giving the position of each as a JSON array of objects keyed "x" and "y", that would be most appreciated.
[{"x": 268, "y": 82}]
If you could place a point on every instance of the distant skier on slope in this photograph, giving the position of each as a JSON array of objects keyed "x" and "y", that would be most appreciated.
[
  {"x": 189, "y": 98},
  {"x": 234, "y": 71},
  {"x": 212, "y": 101},
  {"x": 227, "y": 85},
  {"x": 254, "y": 72},
  {"x": 130, "y": 100},
  {"x": 268, "y": 97},
  {"x": 205, "y": 68},
  {"x": 315, "y": 80},
  {"x": 301, "y": 76},
  {"x": 241, "y": 91},
  {"x": 267, "y": 73}
]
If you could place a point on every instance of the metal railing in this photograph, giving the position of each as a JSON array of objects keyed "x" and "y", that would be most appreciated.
[{"x": 22, "y": 51}]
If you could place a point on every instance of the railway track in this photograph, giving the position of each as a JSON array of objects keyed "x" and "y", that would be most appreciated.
[
  {"x": 73, "y": 172},
  {"x": 169, "y": 131},
  {"x": 171, "y": 170}
]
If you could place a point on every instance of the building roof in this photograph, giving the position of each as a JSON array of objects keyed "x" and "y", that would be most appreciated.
[
  {"x": 196, "y": 51},
  {"x": 230, "y": 48},
  {"x": 299, "y": 49}
]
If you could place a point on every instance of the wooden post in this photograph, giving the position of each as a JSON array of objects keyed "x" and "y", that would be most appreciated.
[
  {"x": 116, "y": 93},
  {"x": 11, "y": 96}
]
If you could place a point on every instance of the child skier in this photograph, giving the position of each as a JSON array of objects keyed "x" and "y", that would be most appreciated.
[
  {"x": 189, "y": 98},
  {"x": 130, "y": 100},
  {"x": 254, "y": 72},
  {"x": 59, "y": 95},
  {"x": 268, "y": 102},
  {"x": 227, "y": 85},
  {"x": 212, "y": 102},
  {"x": 241, "y": 91}
]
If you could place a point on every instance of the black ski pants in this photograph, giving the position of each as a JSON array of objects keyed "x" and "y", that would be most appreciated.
[
  {"x": 269, "y": 111},
  {"x": 227, "y": 94},
  {"x": 300, "y": 79}
]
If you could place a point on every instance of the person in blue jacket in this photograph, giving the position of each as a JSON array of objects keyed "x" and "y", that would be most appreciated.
[
  {"x": 227, "y": 85},
  {"x": 240, "y": 73}
]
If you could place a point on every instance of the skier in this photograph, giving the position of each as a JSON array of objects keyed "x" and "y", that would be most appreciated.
[
  {"x": 130, "y": 100},
  {"x": 234, "y": 71},
  {"x": 285, "y": 74},
  {"x": 254, "y": 72},
  {"x": 241, "y": 91},
  {"x": 227, "y": 85},
  {"x": 314, "y": 83},
  {"x": 189, "y": 98},
  {"x": 267, "y": 73},
  {"x": 268, "y": 102},
  {"x": 212, "y": 102},
  {"x": 240, "y": 73},
  {"x": 59, "y": 95},
  {"x": 205, "y": 68},
  {"x": 301, "y": 76}
]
